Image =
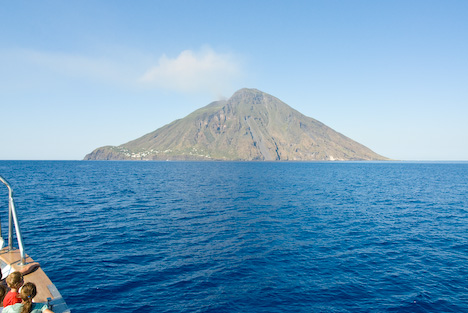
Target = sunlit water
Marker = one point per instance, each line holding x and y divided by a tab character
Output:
247	237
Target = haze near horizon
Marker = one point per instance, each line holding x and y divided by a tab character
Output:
83	74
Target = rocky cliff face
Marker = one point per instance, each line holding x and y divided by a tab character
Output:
251	125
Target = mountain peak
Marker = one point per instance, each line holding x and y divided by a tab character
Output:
247	91
251	125
247	95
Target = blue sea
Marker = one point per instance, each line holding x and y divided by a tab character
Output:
247	236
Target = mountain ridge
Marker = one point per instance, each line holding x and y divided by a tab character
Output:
249	126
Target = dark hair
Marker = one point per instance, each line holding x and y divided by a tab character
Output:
3	292
27	293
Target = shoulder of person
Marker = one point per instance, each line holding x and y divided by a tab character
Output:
12	308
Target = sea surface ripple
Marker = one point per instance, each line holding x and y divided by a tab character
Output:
247	237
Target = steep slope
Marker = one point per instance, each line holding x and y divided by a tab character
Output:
251	125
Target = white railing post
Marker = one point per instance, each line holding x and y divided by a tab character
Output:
13	219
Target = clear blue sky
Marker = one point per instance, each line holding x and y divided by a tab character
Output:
76	75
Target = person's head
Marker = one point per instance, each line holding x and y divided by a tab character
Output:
27	294
15	280
3	292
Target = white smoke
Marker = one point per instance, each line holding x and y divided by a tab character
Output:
194	72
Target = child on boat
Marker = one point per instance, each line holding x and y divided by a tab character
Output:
3	292
14	281
27	293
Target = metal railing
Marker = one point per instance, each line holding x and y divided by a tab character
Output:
13	219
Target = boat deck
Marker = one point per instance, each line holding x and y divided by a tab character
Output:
10	261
